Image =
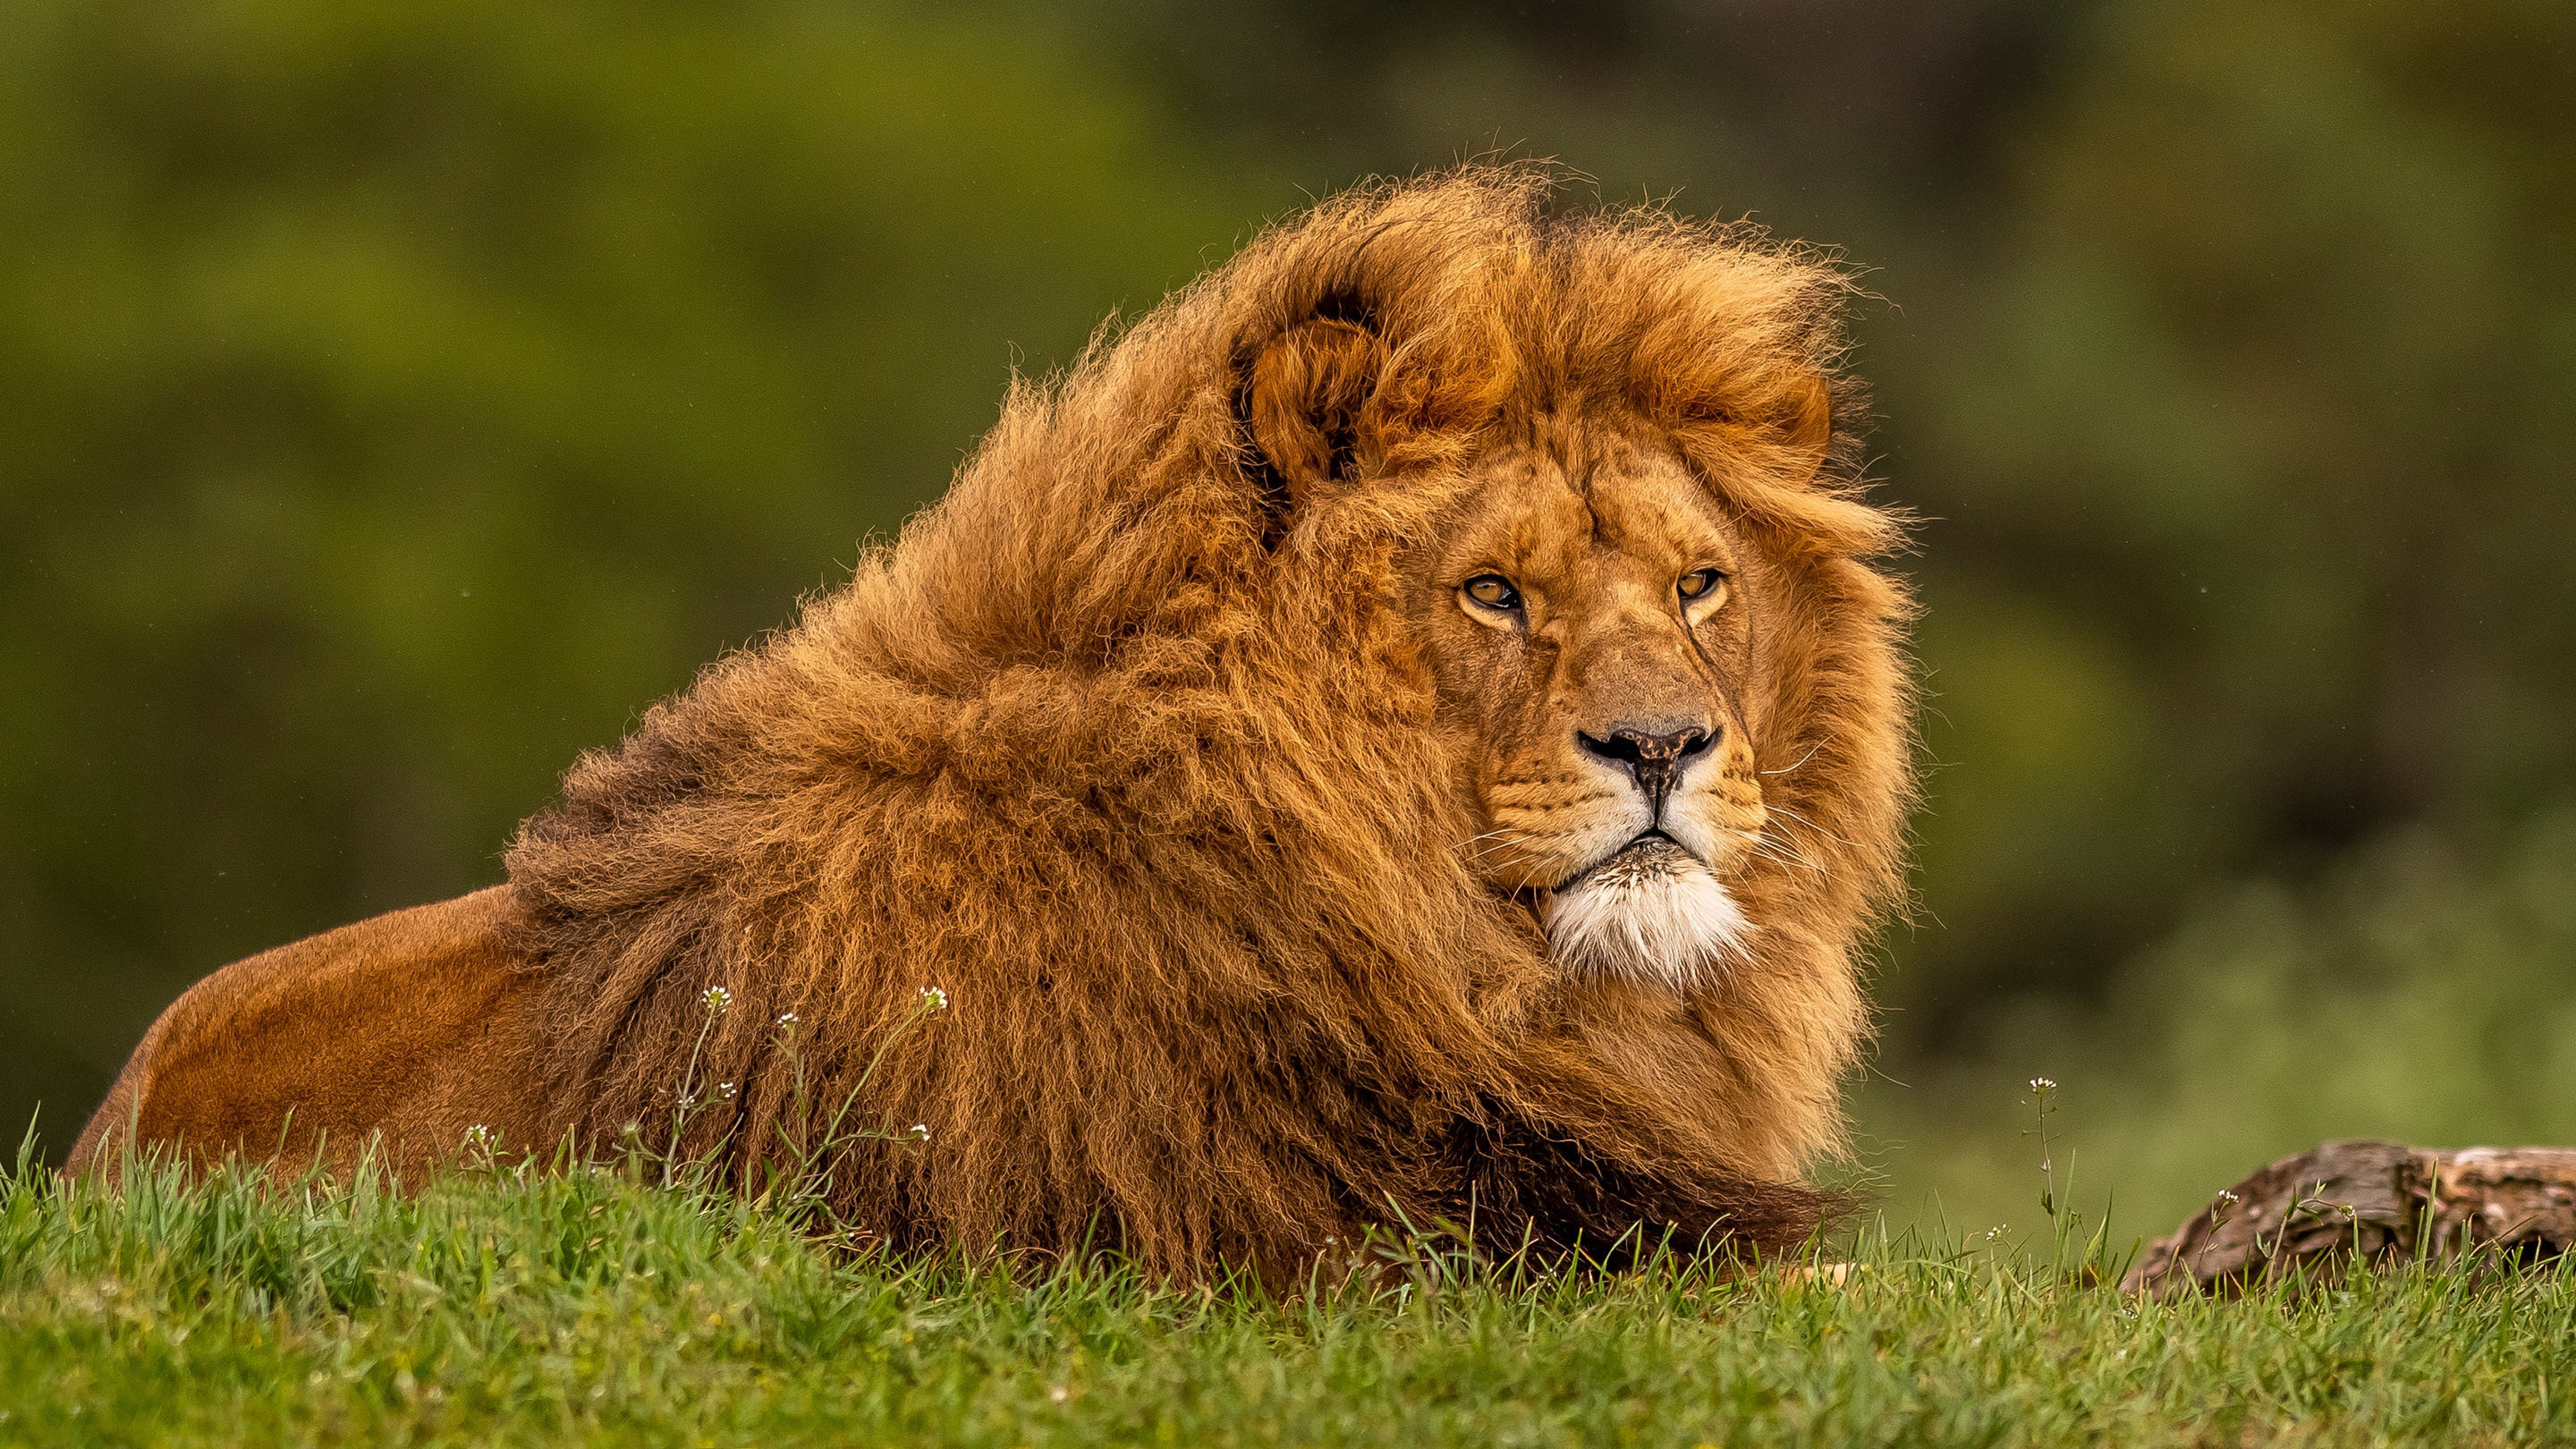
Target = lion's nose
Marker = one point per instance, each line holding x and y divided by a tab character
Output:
1654	761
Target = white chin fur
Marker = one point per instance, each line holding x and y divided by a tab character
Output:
1653	912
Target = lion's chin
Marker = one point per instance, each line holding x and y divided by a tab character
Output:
1653	912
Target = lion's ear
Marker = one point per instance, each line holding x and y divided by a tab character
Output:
1806	421
1304	398
1792	419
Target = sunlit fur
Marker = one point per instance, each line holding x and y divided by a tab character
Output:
1137	745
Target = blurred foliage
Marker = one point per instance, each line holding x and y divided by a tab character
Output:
2254	467
395	398
2258	459
2411	993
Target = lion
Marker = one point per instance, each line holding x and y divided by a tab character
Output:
1410	731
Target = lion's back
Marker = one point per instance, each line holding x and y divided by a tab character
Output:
406	1027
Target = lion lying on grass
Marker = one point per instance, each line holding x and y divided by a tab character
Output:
1404	731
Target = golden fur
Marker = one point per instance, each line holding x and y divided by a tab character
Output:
1158	747
388	1037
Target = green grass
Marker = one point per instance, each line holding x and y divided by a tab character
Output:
589	1308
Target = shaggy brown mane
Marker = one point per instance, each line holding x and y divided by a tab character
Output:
1125	747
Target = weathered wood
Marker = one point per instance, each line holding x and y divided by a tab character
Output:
2370	1202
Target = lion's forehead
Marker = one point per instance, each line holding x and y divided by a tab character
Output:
1660	513
1547	518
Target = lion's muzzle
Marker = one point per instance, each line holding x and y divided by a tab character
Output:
1654	761
1653	910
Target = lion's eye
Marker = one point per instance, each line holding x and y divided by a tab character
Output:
1698	582
1492	590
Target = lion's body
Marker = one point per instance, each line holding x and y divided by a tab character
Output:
391	1035
1151	749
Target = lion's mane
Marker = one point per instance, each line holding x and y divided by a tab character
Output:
1130	754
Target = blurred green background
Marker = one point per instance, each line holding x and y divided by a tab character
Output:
396	395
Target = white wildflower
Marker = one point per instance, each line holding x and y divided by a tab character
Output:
2042	1084
920	1131
724	1090
716	999
934	998
787	1018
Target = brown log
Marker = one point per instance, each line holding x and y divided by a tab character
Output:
2376	1203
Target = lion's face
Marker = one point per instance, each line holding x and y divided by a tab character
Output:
1589	617
1592	621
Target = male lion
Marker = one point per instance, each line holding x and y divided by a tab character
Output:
1405	731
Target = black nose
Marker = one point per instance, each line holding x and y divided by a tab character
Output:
1654	761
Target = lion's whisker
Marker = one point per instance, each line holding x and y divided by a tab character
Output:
1803	820
1802	759
1783	850
1790	860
